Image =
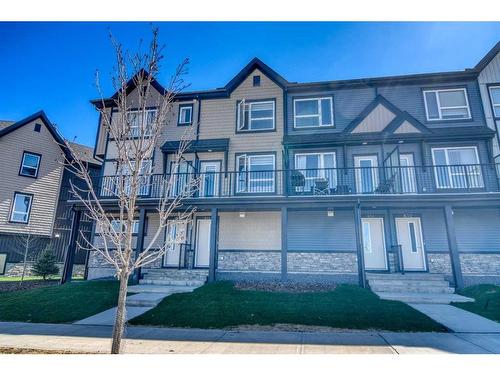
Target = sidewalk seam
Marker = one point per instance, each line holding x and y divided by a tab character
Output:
388	343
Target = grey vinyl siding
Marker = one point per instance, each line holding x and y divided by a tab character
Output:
477	229
315	231
347	105
409	98
45	188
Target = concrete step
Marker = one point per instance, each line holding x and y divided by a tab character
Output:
146	299
167	289
406	276
409	283
412	289
193	283
423	297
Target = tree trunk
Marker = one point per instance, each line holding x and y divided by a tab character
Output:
24	262
120	318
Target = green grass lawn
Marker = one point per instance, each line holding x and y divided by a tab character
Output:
487	301
33	278
219	305
59	303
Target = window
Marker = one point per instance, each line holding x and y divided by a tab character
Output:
313	112
21	208
366	170
457	168
30	164
185	114
255	173
314	167
144	181
116	226
37	128
135	121
256	81
495	100
255	116
449	104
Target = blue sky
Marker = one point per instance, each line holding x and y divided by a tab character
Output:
51	66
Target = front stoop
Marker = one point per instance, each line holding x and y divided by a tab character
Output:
414	288
174	277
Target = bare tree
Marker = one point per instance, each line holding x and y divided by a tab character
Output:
135	135
26	241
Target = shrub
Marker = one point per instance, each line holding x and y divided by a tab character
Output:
46	264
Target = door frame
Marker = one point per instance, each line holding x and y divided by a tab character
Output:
218	176
188	240
375	171
195	253
383	218
424	251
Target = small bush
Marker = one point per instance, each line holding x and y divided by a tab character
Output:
46	265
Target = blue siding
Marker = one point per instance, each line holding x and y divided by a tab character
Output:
477	229
315	231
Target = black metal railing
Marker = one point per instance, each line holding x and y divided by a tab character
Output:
306	182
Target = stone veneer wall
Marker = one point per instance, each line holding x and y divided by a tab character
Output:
249	261
439	263
322	262
480	264
16	269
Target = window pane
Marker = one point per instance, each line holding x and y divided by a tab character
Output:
329	160
326	112
306	121
439	157
31	160
496	110
260	110
451	113
185	117
452	98
432	107
306	107
495	95
462	156
262	124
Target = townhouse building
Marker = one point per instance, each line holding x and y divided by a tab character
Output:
34	191
330	181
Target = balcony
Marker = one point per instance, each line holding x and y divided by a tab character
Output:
398	180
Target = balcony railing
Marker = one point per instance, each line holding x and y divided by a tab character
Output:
307	182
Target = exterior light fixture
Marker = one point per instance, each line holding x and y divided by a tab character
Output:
364	143
401	141
243	214
57	235
330	212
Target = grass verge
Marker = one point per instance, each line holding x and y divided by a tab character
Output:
487	300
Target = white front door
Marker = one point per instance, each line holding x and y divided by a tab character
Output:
175	236
374	243
409	234
202	258
209	185
407	167
366	173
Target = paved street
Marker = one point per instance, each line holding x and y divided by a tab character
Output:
95	339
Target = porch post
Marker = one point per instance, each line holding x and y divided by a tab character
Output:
70	252
284	243
359	245
140	243
214	223
452	244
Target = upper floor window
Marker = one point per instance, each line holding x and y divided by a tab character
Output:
135	121
256	115
118	227
30	164
313	112
256	81
495	100
185	114
21	208
317	168
446	104
457	167
256	173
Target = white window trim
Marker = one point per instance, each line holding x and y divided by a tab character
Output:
494	105
182	108
445	149
29	166
319	115
440	108
374	168
13	211
250	104
135	225
134	130
321	168
248	170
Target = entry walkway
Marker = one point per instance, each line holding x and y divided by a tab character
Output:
457	320
96	339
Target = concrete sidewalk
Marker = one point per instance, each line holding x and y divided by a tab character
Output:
96	339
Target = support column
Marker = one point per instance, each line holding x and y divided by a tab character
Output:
140	243
70	252
359	245
452	244
214	224
284	243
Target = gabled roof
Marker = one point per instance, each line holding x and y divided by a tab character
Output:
255	63
379	99
487	58
84	153
406	117
5	123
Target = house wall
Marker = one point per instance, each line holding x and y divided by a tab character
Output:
45	187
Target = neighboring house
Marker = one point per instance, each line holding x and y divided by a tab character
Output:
33	191
328	181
